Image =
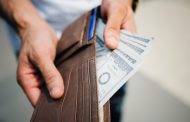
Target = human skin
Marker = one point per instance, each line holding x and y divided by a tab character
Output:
39	42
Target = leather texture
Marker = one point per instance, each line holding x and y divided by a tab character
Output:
76	61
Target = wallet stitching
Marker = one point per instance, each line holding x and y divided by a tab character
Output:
83	61
89	83
75	114
82	92
82	42
95	79
66	90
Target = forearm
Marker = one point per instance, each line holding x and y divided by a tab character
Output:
128	2
19	13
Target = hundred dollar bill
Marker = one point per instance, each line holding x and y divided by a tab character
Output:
123	45
136	48
100	29
131	47
137	45
133	37
102	53
114	72
131	40
145	40
115	67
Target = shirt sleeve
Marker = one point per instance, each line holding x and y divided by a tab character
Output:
135	4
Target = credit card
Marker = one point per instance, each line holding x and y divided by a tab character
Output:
91	29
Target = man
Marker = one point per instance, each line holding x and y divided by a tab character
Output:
39	24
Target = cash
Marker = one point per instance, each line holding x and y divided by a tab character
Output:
115	67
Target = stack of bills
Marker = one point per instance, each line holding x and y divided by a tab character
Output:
115	67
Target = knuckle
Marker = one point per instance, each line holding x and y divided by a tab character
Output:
39	56
50	78
112	29
109	28
20	78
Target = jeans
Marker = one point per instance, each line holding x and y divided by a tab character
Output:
116	104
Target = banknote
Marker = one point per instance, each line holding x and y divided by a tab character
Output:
139	39
135	41
145	40
102	53
131	47
100	29
138	43
115	67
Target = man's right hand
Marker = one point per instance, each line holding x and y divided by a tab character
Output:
36	59
37	52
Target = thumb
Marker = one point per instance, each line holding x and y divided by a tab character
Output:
112	28
52	78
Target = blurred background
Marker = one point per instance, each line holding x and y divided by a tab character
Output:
159	91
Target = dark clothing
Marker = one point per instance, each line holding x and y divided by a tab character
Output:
116	104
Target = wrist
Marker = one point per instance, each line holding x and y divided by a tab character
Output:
23	21
20	16
37	29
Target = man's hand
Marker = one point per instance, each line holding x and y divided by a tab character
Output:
119	14
36	57
37	52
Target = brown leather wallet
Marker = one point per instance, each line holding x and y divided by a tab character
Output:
76	61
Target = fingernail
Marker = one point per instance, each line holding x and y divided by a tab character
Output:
55	92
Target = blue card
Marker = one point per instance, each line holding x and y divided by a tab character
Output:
91	29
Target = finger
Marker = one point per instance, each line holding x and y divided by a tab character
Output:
28	81
130	26
52	77
129	23
33	92
112	29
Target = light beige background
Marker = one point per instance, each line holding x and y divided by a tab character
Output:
160	91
